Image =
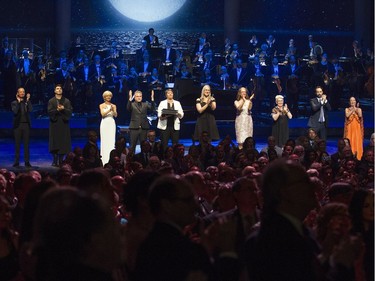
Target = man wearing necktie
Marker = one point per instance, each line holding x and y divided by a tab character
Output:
319	118
21	125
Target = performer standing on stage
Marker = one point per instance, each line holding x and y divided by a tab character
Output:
280	115
138	121
353	129
244	121
319	118
168	124
21	125
59	112
107	126
205	106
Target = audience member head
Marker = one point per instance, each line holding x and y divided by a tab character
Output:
287	188
136	192
171	198
96	181
340	192
333	220
245	193
73	231
361	209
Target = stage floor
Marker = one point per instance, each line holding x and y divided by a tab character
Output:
41	159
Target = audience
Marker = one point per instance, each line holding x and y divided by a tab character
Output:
230	215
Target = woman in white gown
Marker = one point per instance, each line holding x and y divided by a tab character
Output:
244	121
107	126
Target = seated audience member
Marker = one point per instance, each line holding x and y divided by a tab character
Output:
361	210
166	254
282	249
76	237
333	231
141	219
9	262
340	192
271	143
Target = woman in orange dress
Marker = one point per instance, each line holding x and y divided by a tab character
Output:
353	129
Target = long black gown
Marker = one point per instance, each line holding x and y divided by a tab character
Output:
206	122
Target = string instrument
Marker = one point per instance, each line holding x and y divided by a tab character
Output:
369	85
292	84
326	78
42	74
276	80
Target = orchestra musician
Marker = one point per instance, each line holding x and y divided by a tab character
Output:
291	51
26	71
271	46
239	76
168	59
156	82
324	72
8	73
293	72
257	81
337	83
224	77
200	49
276	74
85	74
254	47
97	71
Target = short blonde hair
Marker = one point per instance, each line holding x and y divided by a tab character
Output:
107	93
279	97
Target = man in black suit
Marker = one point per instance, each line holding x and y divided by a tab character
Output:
151	39
21	125
319	118
138	121
143	156
239	76
283	248
167	254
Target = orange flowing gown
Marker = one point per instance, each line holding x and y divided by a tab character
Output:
353	130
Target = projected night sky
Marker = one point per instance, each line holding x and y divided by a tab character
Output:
333	15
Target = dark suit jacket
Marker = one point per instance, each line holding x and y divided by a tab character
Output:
167	255
172	55
16	109
138	117
243	80
155	43
315	107
278	252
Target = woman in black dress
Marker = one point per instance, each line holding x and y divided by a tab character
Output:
280	115
205	105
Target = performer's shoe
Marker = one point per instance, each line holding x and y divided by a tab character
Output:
16	164
28	165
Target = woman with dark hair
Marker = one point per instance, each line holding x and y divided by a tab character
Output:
361	209
244	121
